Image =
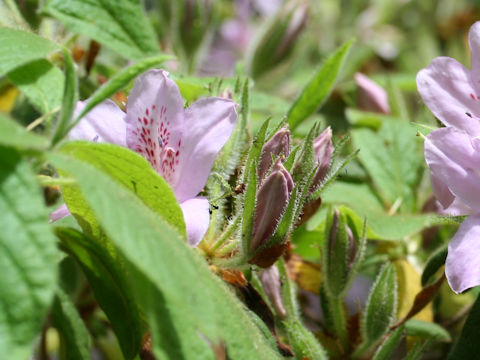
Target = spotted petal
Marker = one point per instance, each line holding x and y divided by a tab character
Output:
209	124
453	158
463	260
104	123
197	217
155	119
449	91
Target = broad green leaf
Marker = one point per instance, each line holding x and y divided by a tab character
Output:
132	171
427	330
385	351
118	81
41	82
468	343
18	48
392	158
381	305
107	277
434	262
193	296
13	134
304	343
118	24
319	87
70	95
73	333
28	256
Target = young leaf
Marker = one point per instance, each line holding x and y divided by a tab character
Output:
28	258
118	24
319	87
41	82
434	262
304	343
155	251
385	351
468	344
73	333
14	135
381	305
108	280
427	330
18	48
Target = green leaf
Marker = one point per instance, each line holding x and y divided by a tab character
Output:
70	95
118	24
304	343
133	172
42	84
434	262
118	81
107	277
18	48
318	88
28	257
427	330
468	344
381	305
172	269
73	333
385	351
13	134
392	158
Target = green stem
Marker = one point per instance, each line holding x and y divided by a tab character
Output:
226	234
337	311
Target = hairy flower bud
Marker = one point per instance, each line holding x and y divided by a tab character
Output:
270	279
341	254
278	39
371	96
278	145
272	199
323	147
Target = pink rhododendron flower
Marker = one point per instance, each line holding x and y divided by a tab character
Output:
452	93
180	144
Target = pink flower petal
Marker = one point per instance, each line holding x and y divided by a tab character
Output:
60	213
371	96
463	261
155	121
197	218
474	43
104	123
453	158
441	191
208	125
448	90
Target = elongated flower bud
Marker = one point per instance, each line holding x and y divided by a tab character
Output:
371	96
270	279
272	198
278	40
340	254
278	145
323	147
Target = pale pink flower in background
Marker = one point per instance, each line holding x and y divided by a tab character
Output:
180	144
371	96
452	93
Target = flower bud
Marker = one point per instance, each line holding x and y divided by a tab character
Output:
278	39
371	96
278	145
339	254
270	279
323	147
272	200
